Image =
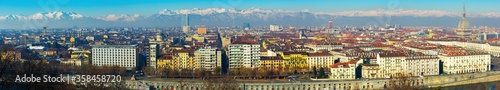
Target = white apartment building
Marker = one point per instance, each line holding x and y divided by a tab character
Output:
274	27
114	55
343	70
152	51
392	63
320	60
492	48
371	71
423	65
186	29
464	62
208	58
244	54
414	65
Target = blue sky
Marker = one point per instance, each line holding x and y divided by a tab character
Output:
149	7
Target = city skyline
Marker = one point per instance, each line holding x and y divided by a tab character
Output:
249	45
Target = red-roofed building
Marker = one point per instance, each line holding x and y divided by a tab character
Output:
323	45
166	61
457	60
343	70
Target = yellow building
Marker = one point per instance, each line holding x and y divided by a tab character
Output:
295	61
72	39
72	62
165	61
196	37
184	59
272	62
225	41
77	53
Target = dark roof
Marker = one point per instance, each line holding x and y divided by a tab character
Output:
271	58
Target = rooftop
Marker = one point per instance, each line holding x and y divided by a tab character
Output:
319	54
271	58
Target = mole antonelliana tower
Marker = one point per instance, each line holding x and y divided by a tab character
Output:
464	30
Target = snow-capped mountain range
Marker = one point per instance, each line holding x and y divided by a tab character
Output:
255	16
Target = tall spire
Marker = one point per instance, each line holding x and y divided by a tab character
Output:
187	20
463	15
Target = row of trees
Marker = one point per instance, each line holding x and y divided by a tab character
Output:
172	72
250	73
320	74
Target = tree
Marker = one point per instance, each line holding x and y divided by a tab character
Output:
262	72
245	72
164	71
322	72
148	70
314	71
200	72
402	81
217	71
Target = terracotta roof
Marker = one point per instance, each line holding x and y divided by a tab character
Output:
343	64
364	37
394	54
337	50
271	58
166	57
244	42
319	54
288	53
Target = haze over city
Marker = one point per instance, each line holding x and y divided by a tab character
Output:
166	13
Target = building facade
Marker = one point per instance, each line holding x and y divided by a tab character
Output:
184	59
321	59
423	65
296	61
165	62
244	54
371	71
343	70
151	55
208	58
114	55
454	64
274	27
202	30
272	62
